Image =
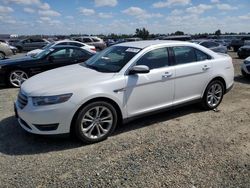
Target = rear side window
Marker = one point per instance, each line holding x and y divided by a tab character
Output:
201	56
86	40
95	40
155	59
76	44
186	54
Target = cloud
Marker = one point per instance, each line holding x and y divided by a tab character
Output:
45	18
7	20
169	3
105	15
44	6
140	13
201	8
5	10
101	3
226	7
48	13
24	2
215	1
245	17
29	10
86	11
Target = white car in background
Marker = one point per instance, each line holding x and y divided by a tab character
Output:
122	82
63	42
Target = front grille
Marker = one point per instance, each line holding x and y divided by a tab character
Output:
22	100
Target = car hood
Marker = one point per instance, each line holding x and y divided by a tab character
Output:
16	61
63	80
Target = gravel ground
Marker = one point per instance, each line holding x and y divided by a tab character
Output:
186	147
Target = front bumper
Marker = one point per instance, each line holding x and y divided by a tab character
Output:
45	120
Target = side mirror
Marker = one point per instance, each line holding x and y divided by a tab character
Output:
139	69
51	59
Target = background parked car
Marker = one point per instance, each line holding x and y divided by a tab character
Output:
13	48
216	47
224	42
5	50
16	71
95	41
63	43
31	44
244	51
239	41
245	67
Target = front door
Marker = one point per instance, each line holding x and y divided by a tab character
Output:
153	90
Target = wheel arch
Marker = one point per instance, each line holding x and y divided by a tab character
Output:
106	99
220	78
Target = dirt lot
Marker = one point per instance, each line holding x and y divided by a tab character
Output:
186	147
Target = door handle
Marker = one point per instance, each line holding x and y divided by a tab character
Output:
167	75
205	68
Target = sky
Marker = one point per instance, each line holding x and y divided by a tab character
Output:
123	16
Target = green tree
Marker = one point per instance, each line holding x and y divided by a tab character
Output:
179	33
218	32
142	33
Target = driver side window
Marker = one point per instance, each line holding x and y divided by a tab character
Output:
63	53
154	59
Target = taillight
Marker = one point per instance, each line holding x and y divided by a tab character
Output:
93	49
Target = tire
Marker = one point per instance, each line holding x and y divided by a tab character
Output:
17	77
95	122
213	95
2	56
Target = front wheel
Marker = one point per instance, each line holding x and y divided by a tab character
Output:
213	95
17	77
95	122
2	56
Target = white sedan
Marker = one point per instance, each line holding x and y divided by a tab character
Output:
122	82
63	42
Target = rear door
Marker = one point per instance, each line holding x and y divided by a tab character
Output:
193	70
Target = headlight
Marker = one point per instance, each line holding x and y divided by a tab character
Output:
48	100
246	62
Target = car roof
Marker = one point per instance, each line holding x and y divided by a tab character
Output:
146	43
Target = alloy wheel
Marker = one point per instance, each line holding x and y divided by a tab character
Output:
17	77
97	122
214	95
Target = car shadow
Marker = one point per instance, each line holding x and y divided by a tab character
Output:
242	79
15	141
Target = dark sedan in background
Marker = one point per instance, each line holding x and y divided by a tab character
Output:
16	71
216	47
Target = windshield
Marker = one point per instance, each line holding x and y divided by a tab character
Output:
48	46
43	53
112	59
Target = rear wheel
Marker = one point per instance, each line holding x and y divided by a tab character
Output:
213	95
95	122
17	77
2	56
